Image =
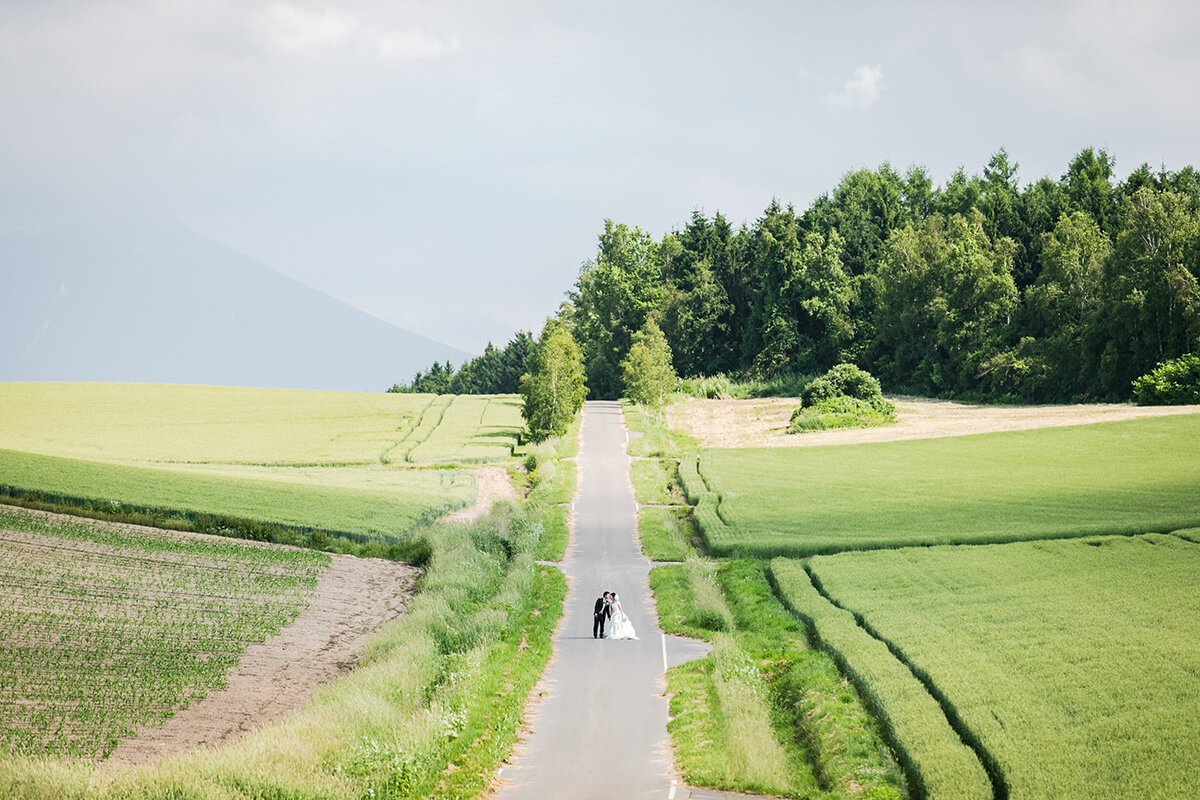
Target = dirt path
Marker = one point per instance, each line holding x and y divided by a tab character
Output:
493	485
763	423
355	596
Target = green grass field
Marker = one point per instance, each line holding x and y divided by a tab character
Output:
375	503
134	423
371	466
111	628
1120	477
1071	664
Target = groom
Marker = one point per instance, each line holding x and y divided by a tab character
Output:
600	614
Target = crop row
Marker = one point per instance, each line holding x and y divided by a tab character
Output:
92	647
461	429
1068	667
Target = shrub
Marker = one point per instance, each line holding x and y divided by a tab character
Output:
846	380
844	397
839	412
1174	382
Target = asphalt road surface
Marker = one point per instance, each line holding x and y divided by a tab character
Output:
600	731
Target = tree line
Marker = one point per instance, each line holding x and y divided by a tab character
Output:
497	371
1062	289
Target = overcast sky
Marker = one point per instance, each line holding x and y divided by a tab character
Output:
446	166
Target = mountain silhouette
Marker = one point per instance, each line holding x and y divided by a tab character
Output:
163	304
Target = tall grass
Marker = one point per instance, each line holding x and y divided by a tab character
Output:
708	609
666	533
743	702
655	481
722	386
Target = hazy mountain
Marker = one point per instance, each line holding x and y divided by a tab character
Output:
163	304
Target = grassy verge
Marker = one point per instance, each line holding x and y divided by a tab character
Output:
549	477
656	481
665	533
655	440
429	712
764	712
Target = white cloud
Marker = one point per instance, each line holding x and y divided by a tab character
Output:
412	45
295	29
862	90
330	32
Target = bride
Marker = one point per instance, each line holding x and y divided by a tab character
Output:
621	628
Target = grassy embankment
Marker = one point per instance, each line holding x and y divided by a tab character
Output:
765	712
436	702
666	533
547	476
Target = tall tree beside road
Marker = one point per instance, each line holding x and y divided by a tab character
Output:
647	369
612	298
554	390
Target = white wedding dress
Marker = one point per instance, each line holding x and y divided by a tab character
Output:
621	627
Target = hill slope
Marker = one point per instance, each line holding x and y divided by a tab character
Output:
166	305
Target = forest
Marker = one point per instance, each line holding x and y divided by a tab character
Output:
1063	289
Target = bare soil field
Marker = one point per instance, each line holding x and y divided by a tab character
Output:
763	422
354	597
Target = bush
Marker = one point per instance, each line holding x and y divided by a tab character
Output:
846	380
839	412
1175	382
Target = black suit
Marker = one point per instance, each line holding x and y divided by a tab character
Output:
599	615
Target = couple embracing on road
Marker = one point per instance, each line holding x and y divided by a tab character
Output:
609	607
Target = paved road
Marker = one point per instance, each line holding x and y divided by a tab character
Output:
601	730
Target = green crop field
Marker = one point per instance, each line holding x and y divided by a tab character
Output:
469	429
1070	665
346	463
1120	477
104	628
227	425
377	503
